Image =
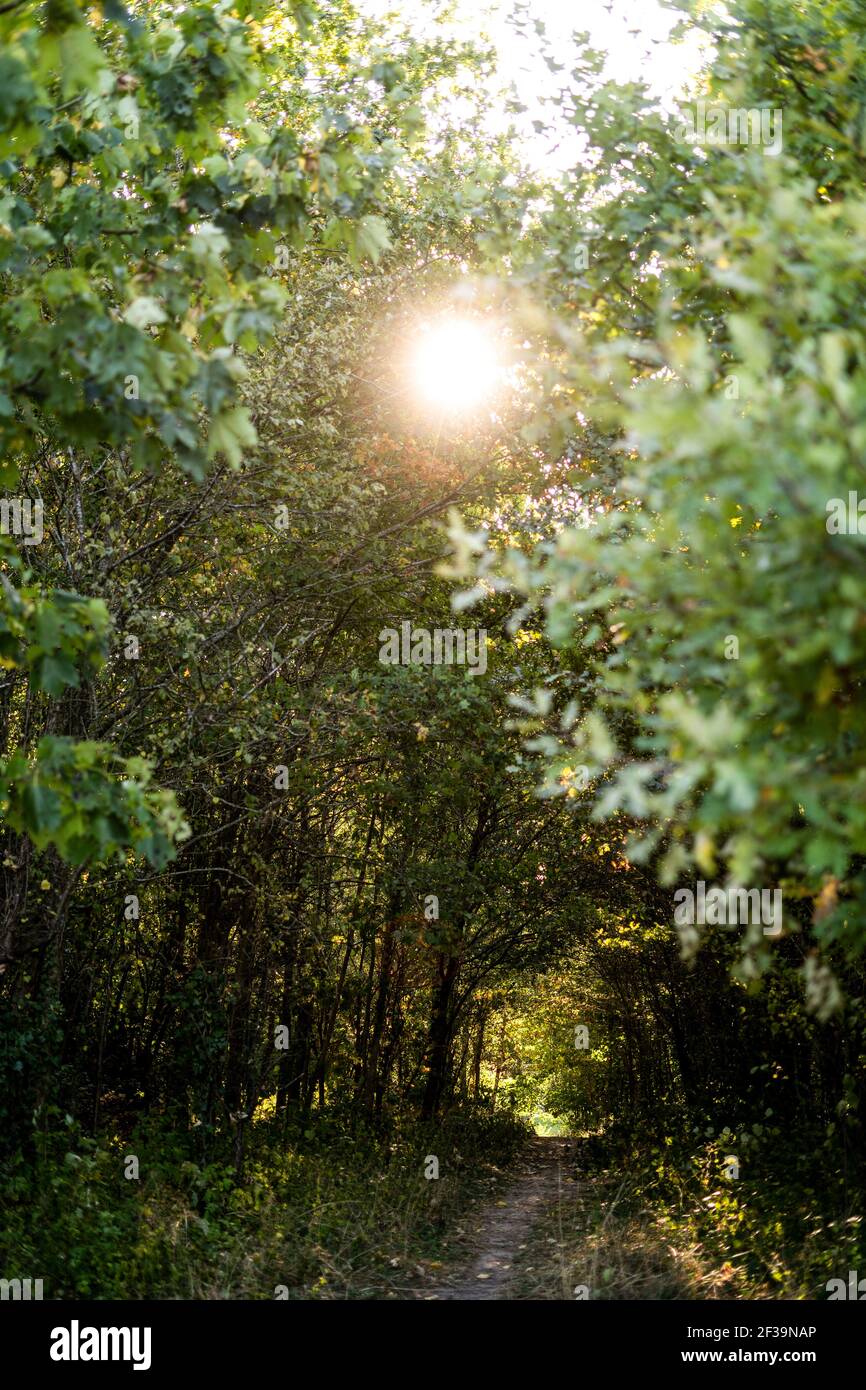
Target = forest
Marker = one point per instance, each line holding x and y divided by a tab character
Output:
432	742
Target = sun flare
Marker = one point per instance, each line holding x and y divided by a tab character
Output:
456	364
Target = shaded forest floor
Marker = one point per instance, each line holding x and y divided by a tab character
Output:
551	1233
568	1223
503	1230
336	1211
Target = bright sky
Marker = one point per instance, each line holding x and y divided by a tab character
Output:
633	33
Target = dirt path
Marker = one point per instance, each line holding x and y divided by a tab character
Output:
506	1225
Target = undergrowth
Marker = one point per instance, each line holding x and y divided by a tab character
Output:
676	1219
326	1212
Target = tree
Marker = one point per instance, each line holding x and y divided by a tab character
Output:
714	352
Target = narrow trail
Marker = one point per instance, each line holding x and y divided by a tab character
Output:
506	1224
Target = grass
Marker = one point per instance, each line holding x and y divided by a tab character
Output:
659	1222
326	1214
338	1211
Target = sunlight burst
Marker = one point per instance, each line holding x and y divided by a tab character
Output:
456	365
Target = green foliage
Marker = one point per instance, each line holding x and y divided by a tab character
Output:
397	892
666	1220
143	199
328	1215
89	803
52	635
715	620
